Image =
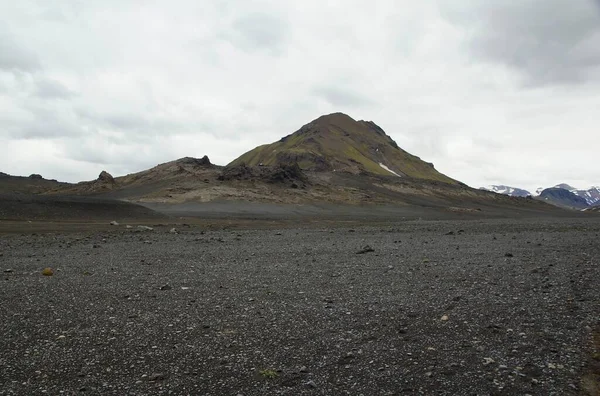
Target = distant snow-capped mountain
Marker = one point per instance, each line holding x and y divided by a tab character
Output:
591	195
507	190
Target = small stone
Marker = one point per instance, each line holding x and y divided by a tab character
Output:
428	374
47	272
145	228
508	255
8	270
311	384
487	361
303	369
165	287
174	231
444	318
128	226
114	223
157	377
366	249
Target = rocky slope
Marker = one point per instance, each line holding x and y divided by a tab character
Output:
336	142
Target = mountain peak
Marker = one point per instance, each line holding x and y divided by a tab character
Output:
338	143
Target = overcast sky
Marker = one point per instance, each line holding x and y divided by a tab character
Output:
490	91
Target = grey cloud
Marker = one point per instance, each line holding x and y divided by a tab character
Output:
48	129
139	127
259	32
14	57
547	41
342	96
42	122
52	89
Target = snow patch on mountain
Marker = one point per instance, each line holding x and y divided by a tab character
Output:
388	169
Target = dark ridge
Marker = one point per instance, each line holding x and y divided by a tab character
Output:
204	161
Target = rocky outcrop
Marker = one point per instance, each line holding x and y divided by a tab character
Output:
106	177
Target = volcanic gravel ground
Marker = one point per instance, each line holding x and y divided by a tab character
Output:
501	307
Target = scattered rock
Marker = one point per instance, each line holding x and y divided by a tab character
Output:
114	223
487	361
174	231
8	270
508	255
157	377
47	271
166	287
444	318
311	384
145	228
366	249
128	226
450	233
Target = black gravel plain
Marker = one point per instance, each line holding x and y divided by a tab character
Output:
481	307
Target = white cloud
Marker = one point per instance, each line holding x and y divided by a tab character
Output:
491	93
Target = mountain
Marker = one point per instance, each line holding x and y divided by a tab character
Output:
331	160
591	195
338	143
32	184
563	198
506	190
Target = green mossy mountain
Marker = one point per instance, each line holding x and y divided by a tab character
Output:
336	142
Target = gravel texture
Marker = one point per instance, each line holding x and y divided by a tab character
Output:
492	307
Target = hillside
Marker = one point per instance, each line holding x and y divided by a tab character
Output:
173	177
338	143
33	184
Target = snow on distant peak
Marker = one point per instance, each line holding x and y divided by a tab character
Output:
507	190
